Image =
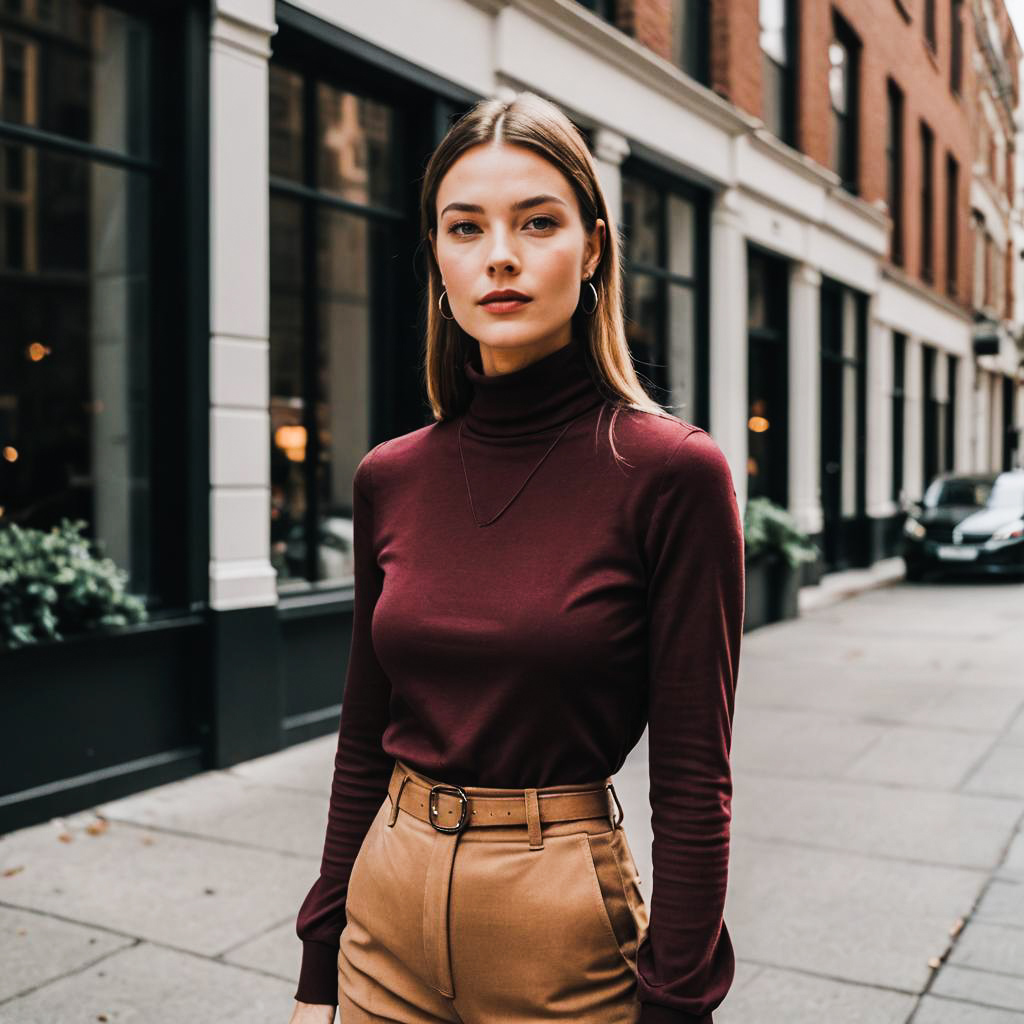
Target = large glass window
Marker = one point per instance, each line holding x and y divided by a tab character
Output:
767	377
929	24
777	60
80	173
952	220
927	218
690	37
664	235
956	55
894	167
843	76
336	212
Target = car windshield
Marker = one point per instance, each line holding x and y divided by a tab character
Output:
1008	492
957	492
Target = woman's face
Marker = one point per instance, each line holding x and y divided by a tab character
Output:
484	244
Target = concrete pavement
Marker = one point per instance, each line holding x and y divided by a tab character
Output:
877	870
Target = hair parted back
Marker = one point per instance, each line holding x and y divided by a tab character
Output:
531	121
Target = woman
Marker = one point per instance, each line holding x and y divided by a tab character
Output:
548	568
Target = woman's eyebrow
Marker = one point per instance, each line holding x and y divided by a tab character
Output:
523	204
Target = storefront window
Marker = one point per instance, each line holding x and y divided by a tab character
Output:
76	202
331	240
663	234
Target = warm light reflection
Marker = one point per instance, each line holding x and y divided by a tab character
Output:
38	351
291	439
758	424
11	453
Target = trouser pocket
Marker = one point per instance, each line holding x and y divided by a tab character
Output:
617	881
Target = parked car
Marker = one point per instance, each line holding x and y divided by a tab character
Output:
965	524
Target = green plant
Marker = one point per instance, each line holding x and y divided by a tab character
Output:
51	583
768	528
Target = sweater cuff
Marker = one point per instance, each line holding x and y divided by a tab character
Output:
655	1013
318	975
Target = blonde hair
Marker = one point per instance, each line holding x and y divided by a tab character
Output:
535	123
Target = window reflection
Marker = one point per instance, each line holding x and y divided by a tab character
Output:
330	271
75	279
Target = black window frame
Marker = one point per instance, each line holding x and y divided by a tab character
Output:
895	170
786	130
846	124
930	29
926	224
178	324
427	106
650	168
956	47
952	225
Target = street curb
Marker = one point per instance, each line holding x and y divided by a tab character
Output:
838	586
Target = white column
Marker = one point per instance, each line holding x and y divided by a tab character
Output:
879	381
610	149
805	397
728	336
241	575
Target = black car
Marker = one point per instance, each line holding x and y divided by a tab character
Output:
967	523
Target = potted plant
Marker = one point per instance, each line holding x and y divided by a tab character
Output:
775	547
52	583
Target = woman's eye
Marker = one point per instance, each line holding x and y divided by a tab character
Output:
454	228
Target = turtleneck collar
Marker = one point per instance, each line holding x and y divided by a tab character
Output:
542	395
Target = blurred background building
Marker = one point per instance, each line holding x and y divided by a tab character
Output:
211	298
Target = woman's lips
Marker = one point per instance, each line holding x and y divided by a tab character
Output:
505	305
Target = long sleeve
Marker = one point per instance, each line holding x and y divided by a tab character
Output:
361	768
694	554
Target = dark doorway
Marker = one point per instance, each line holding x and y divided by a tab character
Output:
843	415
767	377
1011	437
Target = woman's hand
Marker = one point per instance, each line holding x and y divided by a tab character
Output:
312	1013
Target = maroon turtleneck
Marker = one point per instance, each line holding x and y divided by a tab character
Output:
529	642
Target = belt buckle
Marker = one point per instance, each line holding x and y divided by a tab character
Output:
463	815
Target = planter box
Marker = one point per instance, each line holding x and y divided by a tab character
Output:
100	715
772	590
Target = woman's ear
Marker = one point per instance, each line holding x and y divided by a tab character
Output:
595	247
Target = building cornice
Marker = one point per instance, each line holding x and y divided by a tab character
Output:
616	49
936	298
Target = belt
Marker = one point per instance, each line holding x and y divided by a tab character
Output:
450	809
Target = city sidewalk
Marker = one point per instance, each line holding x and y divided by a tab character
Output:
877	870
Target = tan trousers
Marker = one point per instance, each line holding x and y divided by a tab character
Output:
494	924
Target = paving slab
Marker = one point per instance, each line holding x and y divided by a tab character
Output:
37	948
884	821
936	1010
991	947
230	807
1005	991
928	758
155	985
182	891
775	995
846	916
1000	772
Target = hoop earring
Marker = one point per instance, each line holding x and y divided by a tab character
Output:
440	299
589	312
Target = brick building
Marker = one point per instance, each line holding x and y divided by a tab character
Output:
213	308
